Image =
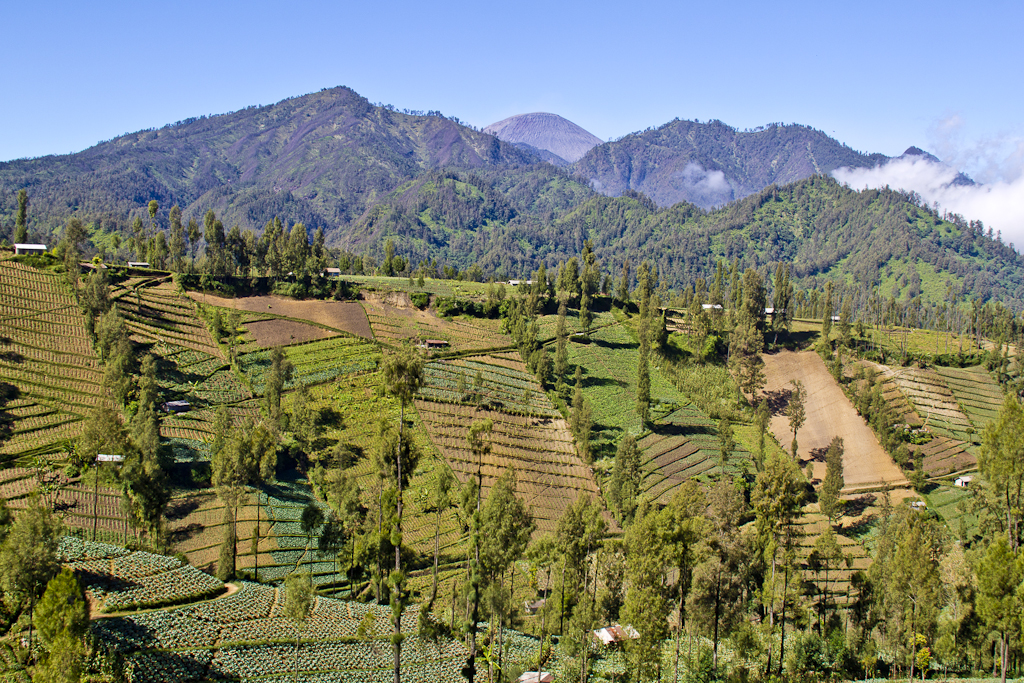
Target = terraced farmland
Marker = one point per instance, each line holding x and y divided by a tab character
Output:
936	408
684	445
977	392
495	381
46	353
810	527
120	579
933	402
315	362
245	636
609	364
393	319
540	450
157	313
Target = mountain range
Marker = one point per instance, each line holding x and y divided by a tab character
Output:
440	190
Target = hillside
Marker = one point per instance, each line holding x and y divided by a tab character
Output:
549	132
711	164
320	158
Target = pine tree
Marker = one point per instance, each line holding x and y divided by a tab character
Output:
21	218
828	498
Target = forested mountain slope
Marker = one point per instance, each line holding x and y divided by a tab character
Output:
321	159
710	164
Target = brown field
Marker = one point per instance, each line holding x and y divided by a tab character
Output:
395	319
346	316
550	474
829	414
279	332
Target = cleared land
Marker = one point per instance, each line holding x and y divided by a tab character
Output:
346	316
829	414
280	332
395	319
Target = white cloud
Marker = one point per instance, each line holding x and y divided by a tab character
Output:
999	204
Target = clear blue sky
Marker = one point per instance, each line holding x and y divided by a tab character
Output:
879	76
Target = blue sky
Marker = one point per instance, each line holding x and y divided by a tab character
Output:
879	76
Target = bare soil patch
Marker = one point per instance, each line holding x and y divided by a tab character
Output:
829	414
280	332
347	316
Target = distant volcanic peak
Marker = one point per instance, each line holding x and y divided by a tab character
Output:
918	152
550	132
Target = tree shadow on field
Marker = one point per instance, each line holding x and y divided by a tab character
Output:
182	534
778	400
603	382
674	429
856	506
180	509
818	454
605	344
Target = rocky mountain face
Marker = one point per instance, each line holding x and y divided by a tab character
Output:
549	132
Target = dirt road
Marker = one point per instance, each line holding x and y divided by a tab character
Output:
829	414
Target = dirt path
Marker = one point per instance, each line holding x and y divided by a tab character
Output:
829	414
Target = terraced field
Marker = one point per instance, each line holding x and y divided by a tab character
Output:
933	402
935	407
315	362
977	392
120	579
247	637
46	353
493	381
245	634
609	364
157	313
811	525
684	445
540	450
393	320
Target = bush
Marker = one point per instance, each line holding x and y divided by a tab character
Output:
420	299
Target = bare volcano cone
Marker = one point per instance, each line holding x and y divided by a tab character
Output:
546	131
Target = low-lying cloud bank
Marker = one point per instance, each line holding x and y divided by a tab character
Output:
999	204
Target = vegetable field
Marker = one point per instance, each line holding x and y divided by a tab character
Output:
45	352
684	445
610	363
977	392
540	450
315	362
120	579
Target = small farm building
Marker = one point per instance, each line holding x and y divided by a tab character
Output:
20	248
138	264
435	344
332	272
537	677
615	633
963	482
532	607
176	407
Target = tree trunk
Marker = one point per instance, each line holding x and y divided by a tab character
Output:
397	597
782	621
